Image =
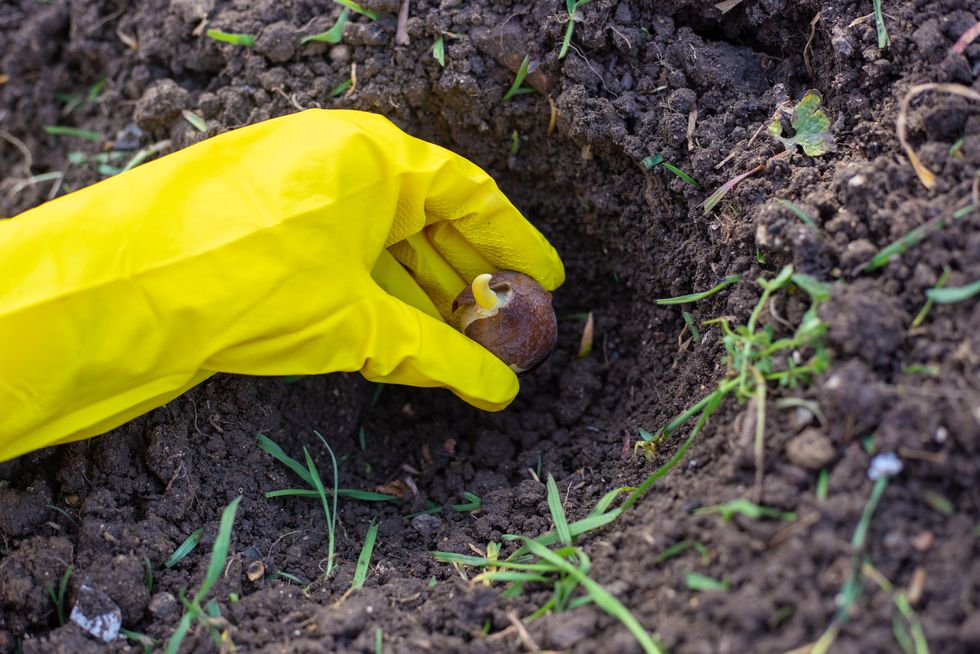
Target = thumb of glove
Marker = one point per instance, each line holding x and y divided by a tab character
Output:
412	347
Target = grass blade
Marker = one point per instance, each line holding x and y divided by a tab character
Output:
219	553
697	581
558	512
353	6
196	121
953	294
883	38
246	40
185	548
332	35
268	445
364	559
744	507
712	200
603	599
679	548
61	130
322	494
927	307
515	87
658	160
603	504
351	493
439	51
177	637
694	297
799	213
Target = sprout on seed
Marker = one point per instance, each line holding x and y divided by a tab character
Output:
511	315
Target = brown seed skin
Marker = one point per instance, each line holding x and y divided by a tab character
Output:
524	330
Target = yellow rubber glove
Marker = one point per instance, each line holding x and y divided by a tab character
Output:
268	250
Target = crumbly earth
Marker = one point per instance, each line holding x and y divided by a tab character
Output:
114	508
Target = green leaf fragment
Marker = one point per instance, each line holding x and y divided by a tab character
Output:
953	294
810	124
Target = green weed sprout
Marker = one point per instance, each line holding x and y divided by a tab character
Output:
658	160
915	236
328	498
572	6
927	307
62	130
810	124
195	120
364	559
185	548
700	582
149	645
799	213
566	568
882	468
515	87
439	51
744	507
210	614
694	297
267	445
953	294
811	128
679	548
753	363
332	35
245	40
883	38
355	7
74	100
58	596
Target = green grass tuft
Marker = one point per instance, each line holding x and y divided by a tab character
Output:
58	596
515	87
219	556
572	6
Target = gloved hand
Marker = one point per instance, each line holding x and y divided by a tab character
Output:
268	250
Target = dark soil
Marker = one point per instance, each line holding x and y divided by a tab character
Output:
628	235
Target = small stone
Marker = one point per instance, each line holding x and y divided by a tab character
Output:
923	541
340	53
163	606
810	449
96	613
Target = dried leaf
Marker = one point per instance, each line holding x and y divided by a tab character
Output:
398	488
811	126
926	176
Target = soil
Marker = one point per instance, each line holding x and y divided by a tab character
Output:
118	505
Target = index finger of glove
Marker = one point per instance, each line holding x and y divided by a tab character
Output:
439	186
416	349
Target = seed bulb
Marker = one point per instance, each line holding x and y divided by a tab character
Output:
511	315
